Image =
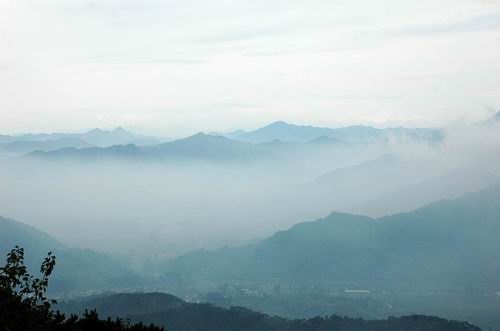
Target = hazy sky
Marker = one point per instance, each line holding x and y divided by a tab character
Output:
176	66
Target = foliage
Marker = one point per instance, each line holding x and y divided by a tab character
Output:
24	305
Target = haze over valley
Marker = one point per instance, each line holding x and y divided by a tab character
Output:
97	196
249	165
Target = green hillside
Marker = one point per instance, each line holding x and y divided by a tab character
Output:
447	245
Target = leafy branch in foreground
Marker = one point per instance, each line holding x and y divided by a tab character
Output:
24	305
15	279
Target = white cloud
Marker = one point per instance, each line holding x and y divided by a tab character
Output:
72	64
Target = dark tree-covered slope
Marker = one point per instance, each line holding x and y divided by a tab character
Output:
447	244
177	315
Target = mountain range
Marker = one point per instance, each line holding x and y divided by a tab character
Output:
352	134
19	147
95	137
275	132
12	145
26	143
178	315
450	244
197	147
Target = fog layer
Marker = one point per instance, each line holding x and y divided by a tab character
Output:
159	208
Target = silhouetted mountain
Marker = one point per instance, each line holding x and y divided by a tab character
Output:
19	147
76	268
177	315
31	239
94	137
205	147
91	153
451	244
283	131
197	147
353	134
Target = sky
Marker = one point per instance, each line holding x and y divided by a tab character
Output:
174	67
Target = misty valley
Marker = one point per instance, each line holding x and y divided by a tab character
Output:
263	165
371	229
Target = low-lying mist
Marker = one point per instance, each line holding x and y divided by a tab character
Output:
158	209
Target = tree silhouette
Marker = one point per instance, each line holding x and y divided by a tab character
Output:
24	305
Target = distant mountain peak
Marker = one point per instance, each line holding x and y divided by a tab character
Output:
96	130
350	134
201	136
279	123
120	130
198	137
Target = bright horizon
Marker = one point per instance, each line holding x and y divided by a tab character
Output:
188	133
178	67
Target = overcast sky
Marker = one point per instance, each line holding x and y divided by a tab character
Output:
179	66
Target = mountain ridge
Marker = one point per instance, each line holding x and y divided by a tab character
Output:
280	130
175	314
77	268
199	146
354	249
